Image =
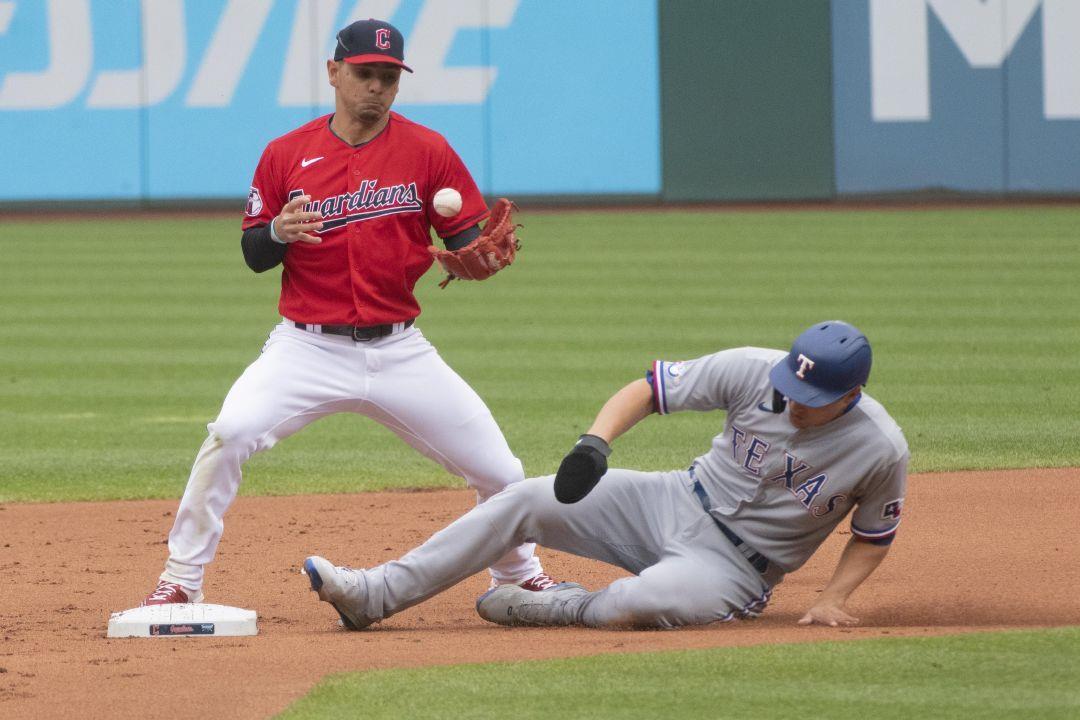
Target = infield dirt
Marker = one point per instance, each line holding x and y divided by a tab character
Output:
976	551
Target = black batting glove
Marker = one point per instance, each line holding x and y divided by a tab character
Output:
581	469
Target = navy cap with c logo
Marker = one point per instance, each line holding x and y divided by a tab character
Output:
371	41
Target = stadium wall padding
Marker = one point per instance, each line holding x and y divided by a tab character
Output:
121	99
672	100
957	95
746	97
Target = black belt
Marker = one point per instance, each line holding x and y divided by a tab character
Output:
759	561
359	334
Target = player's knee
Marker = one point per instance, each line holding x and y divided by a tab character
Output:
541	513
519	507
531	491
234	434
495	475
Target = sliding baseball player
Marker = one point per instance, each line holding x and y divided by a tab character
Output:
803	446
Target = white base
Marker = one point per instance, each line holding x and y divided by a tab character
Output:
183	620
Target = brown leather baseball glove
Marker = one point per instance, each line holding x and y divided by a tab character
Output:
487	254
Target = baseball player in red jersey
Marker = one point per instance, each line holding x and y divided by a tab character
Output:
344	203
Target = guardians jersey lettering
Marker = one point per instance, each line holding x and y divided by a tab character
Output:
375	202
366	203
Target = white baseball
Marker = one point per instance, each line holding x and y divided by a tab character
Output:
448	202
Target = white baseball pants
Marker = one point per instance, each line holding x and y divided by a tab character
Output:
398	380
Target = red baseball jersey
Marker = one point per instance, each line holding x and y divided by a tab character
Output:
376	203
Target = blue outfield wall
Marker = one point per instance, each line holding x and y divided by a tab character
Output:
174	99
537	96
957	94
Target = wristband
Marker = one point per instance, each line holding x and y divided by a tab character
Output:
274	236
596	443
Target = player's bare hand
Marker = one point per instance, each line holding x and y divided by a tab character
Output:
294	223
828	613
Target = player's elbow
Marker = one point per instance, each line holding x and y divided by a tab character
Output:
257	264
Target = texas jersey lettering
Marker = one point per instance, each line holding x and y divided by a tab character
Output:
763	473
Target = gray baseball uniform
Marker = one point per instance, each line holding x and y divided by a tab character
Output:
705	544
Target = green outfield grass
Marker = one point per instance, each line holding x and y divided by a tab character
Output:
120	338
971	677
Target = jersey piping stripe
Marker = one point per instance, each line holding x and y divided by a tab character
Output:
658	388
751	609
336	223
877	534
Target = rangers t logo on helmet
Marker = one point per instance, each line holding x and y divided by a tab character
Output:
805	364
841	361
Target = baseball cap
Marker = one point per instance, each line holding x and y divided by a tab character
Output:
826	360
371	41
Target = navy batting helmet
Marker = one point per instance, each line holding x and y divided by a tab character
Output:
825	362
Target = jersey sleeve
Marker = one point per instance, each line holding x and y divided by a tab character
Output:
877	513
450	172
265	198
713	382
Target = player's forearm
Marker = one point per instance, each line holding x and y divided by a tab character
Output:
260	251
857	563
623	410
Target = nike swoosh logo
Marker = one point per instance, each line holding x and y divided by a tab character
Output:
309	161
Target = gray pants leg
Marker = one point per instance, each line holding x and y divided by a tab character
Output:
650	524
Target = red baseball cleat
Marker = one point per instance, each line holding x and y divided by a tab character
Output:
538	582
167	592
